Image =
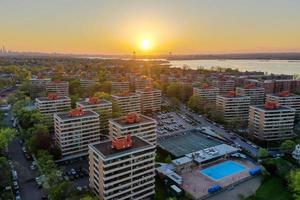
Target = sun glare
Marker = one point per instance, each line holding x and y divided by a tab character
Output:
146	44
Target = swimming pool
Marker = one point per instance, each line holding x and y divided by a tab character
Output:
223	170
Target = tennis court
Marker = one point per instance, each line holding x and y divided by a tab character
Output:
187	142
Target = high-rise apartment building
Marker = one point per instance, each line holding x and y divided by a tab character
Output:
75	130
271	122
207	92
134	124
59	87
286	99
256	94
225	85
150	99
128	102
120	86
233	107
122	169
53	104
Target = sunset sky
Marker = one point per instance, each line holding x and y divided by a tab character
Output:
150	27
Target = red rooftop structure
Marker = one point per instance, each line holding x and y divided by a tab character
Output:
271	105
52	96
122	143
249	86
56	81
131	118
93	100
231	94
205	86
76	112
284	94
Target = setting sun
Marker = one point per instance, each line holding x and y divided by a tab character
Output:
146	44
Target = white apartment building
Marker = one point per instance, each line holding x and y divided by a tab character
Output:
224	85
142	82
150	99
233	107
53	104
286	99
85	83
122	169
256	94
134	124
128	102
206	92
38	86
75	130
271	122
120	86
59	87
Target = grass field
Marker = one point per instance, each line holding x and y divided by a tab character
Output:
273	188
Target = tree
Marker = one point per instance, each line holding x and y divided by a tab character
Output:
106	87
88	197
6	136
175	102
287	146
168	159
196	103
295	183
5	176
61	190
103	95
116	110
262	153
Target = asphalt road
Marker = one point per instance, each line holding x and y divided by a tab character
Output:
26	176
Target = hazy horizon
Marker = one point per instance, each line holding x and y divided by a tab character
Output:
150	27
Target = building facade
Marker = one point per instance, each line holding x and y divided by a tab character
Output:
224	85
59	87
75	130
150	100
286	99
120	85
271	122
53	104
233	107
128	102
123	169
134	124
207	92
256	94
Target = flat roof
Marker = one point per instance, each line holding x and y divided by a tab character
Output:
106	150
100	102
123	123
262	107
278	95
47	99
87	113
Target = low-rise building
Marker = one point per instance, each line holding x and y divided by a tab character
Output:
134	124
150	99
128	102
207	92
271	122
286	99
59	87
123	168
75	130
256	94
233	107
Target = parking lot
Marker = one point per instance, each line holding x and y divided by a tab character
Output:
76	171
169	124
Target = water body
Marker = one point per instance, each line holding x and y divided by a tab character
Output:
289	67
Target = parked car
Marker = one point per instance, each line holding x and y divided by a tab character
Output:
16	185
38	182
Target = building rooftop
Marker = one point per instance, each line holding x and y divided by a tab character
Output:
98	102
284	94
132	119
76	115
124	94
271	107
53	99
106	149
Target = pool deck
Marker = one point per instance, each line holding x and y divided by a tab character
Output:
197	183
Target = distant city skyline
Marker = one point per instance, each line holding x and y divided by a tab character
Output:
150	27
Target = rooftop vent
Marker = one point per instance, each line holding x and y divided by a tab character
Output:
250	86
284	94
122	143
52	96
231	94
93	100
271	105
76	112
131	118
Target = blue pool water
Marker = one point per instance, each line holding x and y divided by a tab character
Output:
223	170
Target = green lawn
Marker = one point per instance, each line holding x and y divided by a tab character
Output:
272	188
